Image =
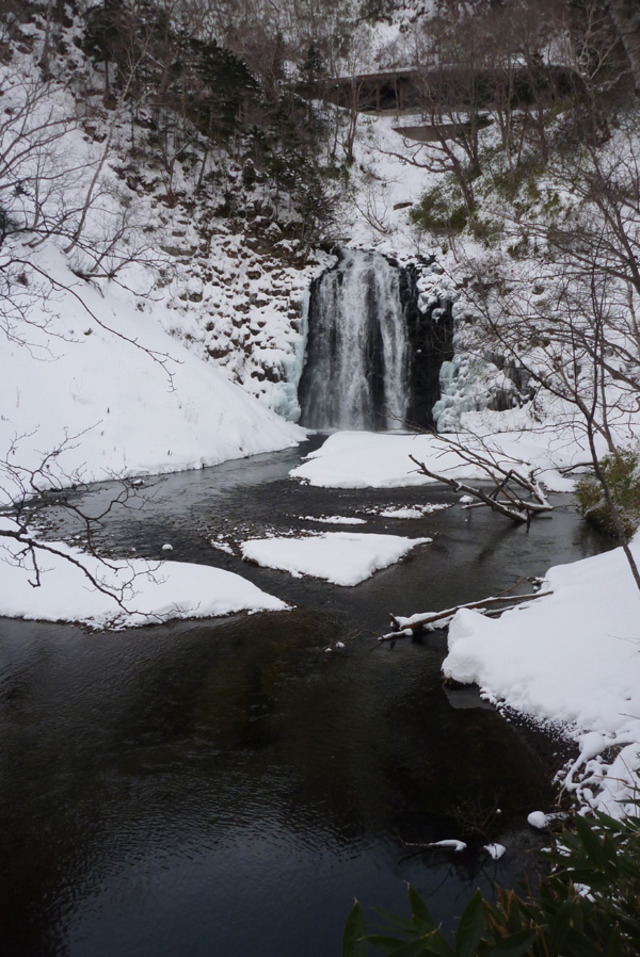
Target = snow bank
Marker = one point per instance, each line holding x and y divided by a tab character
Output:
343	558
571	660
334	519
408	512
381	460
363	460
107	392
150	592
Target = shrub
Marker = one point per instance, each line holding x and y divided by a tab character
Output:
440	213
621	471
586	906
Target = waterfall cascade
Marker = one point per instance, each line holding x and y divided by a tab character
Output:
356	371
372	358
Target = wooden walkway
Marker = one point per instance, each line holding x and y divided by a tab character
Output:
404	92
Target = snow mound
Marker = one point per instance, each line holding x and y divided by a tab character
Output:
343	558
452	844
150	592
363	460
410	512
572	660
334	519
381	460
495	851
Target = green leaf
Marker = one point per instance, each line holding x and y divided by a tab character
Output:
354	937
615	943
388	946
438	947
431	945
560	921
404	923
595	849
470	928
606	822
516	945
421	913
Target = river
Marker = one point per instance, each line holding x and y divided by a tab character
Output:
227	787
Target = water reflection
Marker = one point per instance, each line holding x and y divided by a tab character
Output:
227	787
202	787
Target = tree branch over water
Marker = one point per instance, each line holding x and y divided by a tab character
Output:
440	619
31	491
509	481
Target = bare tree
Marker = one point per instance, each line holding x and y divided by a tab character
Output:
449	58
624	14
33	492
568	318
517	65
53	191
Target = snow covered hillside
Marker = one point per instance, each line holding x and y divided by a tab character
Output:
144	274
126	319
220	247
103	391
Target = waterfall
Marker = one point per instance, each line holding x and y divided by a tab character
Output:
357	370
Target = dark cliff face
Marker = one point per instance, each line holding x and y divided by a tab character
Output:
431	343
372	358
375	361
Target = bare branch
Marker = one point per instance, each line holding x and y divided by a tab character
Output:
508	483
440	619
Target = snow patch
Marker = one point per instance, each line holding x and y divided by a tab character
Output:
495	851
333	519
150	592
571	659
451	844
343	558
101	406
382	459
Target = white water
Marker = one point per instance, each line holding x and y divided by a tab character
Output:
356	375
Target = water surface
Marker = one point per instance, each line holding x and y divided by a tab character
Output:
227	787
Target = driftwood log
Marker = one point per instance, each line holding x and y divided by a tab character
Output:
440	619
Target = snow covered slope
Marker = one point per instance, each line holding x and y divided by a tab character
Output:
569	660
98	389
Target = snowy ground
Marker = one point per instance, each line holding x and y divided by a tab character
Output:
344	558
93	388
375	460
571	661
148	593
99	390
96	389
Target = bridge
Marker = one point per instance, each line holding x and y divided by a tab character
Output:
450	88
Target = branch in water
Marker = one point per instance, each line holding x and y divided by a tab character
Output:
440	619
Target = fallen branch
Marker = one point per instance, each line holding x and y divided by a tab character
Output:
504	497
486	606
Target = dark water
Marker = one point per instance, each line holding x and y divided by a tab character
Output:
227	787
